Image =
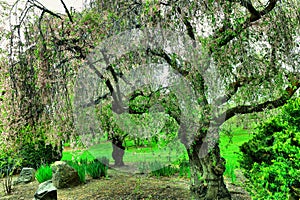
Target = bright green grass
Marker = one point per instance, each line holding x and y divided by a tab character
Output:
230	146
67	156
229	150
43	173
132	155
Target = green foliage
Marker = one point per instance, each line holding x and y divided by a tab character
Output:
9	162
98	168
229	172
43	173
7	181
164	171
232	136
271	158
80	167
38	153
8	166
184	169
183	165
143	167
31	149
81	170
67	144
153	125
80	155
157	169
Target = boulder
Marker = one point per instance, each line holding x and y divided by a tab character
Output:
27	175
46	191
63	175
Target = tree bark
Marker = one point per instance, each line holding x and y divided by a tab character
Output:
207	169
118	151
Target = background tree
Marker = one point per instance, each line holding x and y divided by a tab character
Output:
152	128
115	134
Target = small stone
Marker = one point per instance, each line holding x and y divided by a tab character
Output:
46	191
27	175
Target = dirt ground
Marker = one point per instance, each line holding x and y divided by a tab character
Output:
121	184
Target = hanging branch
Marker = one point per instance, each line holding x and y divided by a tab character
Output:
227	33
43	8
67	11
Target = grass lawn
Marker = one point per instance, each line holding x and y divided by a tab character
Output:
229	150
166	154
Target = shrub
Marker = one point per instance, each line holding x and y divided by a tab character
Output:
271	157
38	153
7	181
9	162
97	169
183	165
33	149
158	169
164	171
8	166
43	173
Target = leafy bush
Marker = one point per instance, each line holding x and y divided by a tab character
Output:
183	166
35	154
34	150
9	162
271	157
43	173
9	165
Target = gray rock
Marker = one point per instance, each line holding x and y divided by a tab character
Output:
27	175
46	191
63	175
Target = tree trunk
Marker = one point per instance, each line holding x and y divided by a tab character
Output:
118	151
207	170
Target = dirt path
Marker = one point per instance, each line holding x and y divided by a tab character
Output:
121	185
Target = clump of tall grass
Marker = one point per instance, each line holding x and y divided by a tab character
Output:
43	173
